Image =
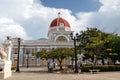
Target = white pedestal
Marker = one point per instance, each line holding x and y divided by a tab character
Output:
6	69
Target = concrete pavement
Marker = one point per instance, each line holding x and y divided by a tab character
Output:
40	73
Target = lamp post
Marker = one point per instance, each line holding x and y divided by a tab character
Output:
17	69
27	59
83	39
74	38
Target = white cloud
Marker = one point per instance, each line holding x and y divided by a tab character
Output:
106	18
110	5
9	28
14	8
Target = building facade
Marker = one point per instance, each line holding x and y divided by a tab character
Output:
58	36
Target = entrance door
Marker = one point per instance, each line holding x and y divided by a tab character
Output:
15	62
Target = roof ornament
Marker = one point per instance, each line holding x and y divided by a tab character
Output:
59	14
58	20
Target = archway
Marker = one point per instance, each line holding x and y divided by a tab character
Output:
61	39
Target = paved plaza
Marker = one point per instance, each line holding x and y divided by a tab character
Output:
40	73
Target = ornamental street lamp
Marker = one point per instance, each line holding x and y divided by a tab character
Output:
83	39
74	38
28	58
17	69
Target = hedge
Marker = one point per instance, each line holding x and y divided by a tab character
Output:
102	68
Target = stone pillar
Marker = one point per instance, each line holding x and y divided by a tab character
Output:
6	69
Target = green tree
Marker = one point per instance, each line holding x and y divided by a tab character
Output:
43	54
95	45
114	46
60	54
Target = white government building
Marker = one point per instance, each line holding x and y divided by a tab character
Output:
58	36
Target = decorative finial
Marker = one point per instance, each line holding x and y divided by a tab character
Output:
59	14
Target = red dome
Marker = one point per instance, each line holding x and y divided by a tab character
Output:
57	22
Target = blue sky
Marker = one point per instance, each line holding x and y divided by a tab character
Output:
30	19
74	5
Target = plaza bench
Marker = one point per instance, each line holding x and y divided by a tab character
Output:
94	71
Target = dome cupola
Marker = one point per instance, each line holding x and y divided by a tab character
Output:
60	24
59	21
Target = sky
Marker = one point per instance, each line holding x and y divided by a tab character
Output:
30	19
75	6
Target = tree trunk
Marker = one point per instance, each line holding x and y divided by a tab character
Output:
114	62
60	61
72	63
103	61
61	65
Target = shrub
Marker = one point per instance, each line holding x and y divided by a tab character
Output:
102	68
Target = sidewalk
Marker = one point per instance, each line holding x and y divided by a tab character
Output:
40	73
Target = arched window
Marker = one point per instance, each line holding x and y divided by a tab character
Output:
61	39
